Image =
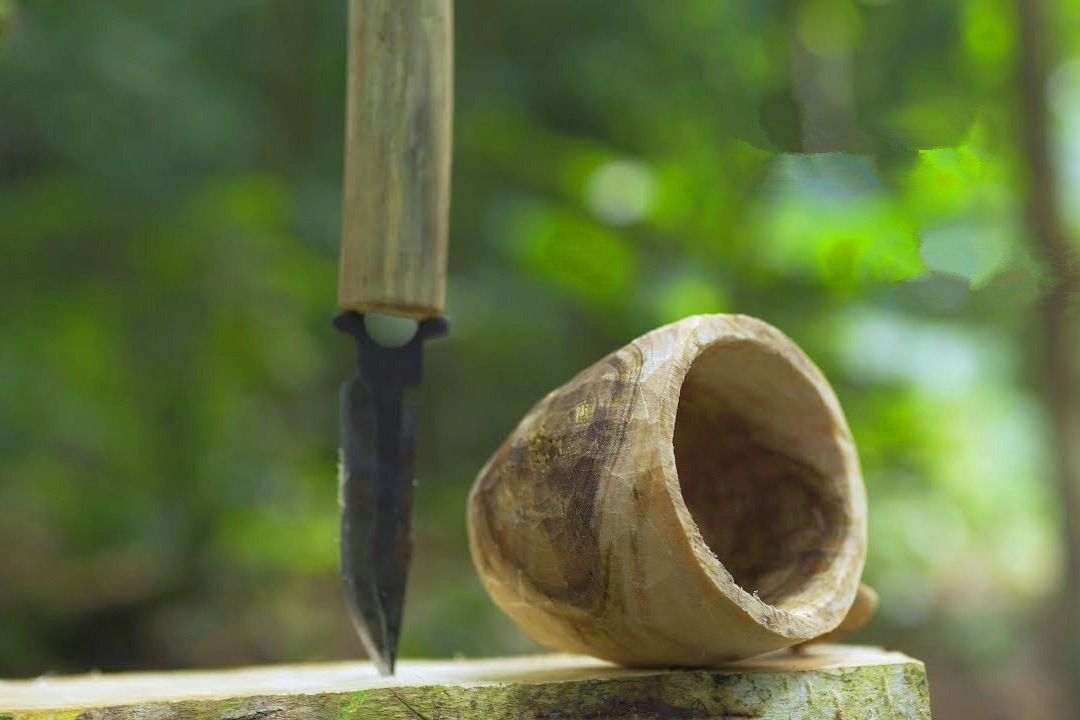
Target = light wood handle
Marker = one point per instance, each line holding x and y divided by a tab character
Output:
397	157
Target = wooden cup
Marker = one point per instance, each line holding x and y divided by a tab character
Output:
691	499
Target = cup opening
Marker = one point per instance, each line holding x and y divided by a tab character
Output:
760	470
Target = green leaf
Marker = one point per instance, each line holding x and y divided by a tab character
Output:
825	220
574	253
688	293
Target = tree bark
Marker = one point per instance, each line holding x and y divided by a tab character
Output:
823	683
1056	317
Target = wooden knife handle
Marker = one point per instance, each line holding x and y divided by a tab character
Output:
397	157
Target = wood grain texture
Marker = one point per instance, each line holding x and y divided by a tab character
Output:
397	157
690	499
823	683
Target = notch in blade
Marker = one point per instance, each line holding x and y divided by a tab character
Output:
377	451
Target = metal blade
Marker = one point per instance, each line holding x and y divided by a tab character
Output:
377	450
376	497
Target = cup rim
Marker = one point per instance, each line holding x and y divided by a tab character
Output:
834	587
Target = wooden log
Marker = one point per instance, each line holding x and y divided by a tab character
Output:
826	682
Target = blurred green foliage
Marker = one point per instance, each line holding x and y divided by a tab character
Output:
169	216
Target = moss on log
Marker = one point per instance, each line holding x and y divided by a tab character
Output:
822	683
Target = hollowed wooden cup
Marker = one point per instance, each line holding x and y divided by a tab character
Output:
691	499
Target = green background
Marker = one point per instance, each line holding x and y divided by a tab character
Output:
169	217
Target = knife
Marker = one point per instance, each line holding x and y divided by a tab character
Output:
391	289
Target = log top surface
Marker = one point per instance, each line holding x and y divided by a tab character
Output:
101	690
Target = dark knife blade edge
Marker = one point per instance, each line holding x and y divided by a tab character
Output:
377	456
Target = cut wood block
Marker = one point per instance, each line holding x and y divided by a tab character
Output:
826	682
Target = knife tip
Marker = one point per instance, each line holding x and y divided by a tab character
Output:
384	663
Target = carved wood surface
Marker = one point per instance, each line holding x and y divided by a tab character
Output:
690	499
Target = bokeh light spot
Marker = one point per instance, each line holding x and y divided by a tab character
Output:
621	192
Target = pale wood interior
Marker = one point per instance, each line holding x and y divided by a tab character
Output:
753	452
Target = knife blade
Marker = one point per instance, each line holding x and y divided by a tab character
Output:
392	287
